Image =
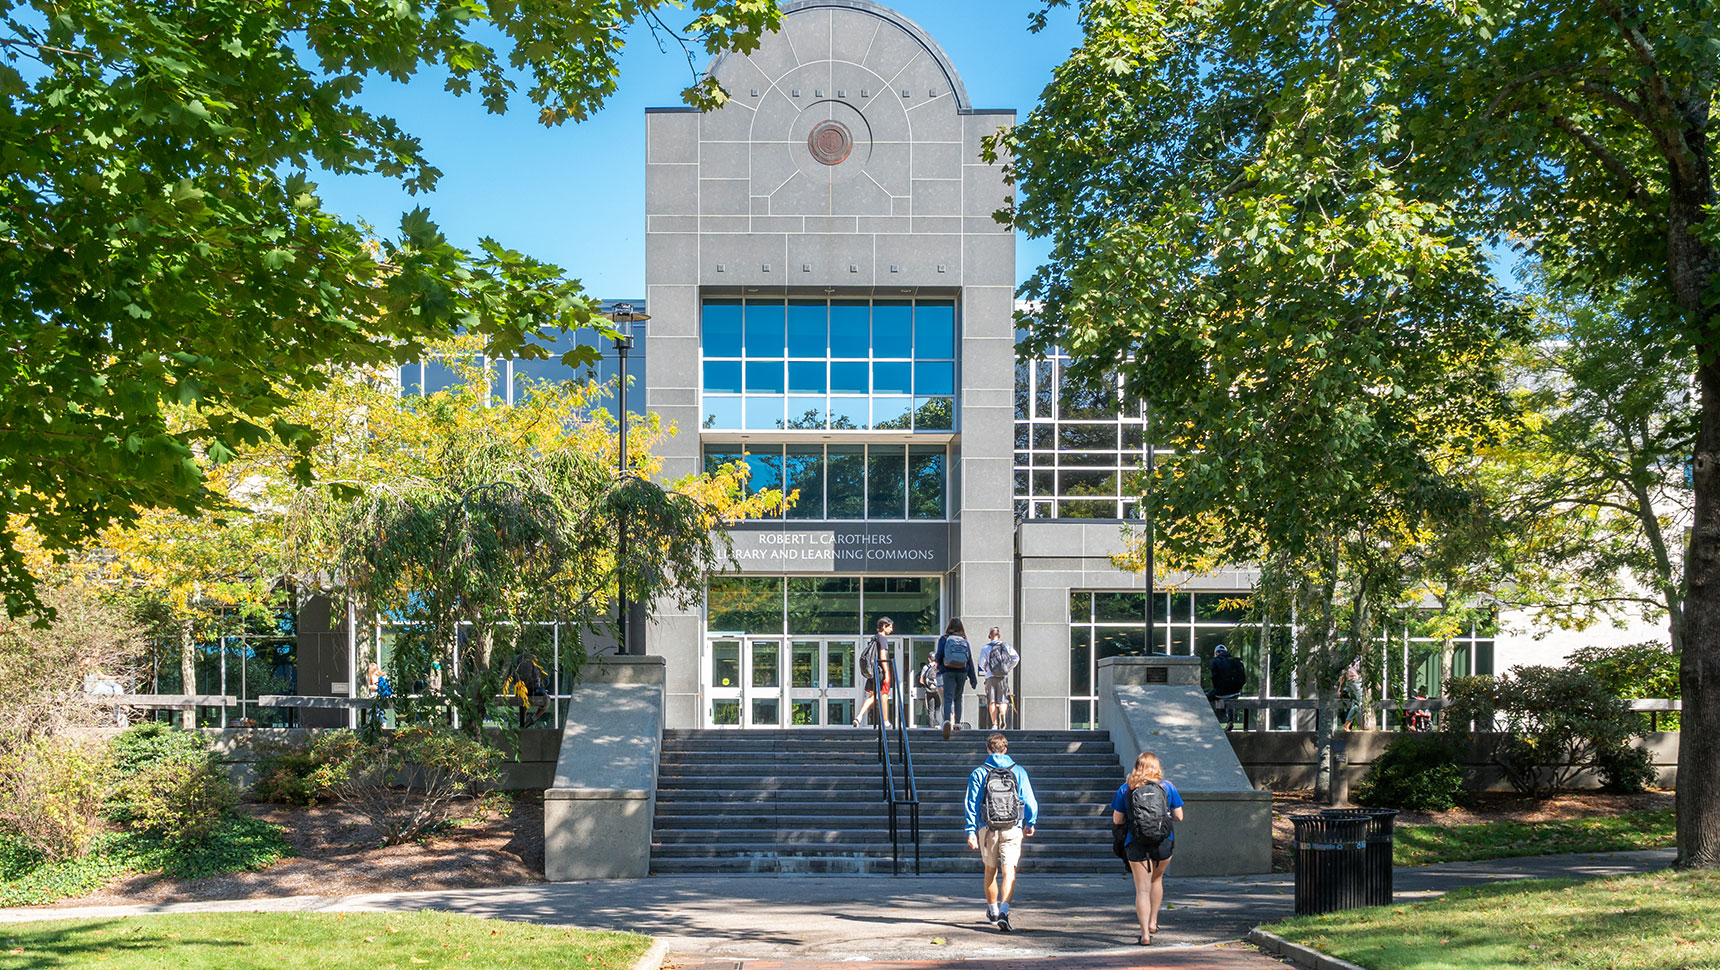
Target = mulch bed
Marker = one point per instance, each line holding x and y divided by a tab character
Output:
337	854
1488	807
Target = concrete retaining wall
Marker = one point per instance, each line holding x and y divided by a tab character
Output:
597	813
1227	826
1281	760
239	749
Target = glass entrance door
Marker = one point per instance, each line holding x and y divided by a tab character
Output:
754	683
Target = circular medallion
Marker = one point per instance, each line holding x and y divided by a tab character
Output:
830	142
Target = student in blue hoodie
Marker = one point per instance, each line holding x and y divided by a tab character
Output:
1001	812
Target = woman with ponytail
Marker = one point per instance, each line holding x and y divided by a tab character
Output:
1145	808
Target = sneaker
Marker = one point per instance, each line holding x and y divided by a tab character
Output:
1003	922
947	728
990	913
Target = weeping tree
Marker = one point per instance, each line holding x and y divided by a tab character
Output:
477	529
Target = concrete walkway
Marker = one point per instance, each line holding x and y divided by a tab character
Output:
880	918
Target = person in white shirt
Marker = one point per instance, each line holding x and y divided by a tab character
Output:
997	661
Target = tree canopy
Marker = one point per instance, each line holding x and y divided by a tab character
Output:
162	241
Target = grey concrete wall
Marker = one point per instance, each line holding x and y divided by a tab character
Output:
737	203
1284	760
1227	824
598	811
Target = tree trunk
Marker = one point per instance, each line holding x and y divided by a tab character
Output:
1693	265
187	673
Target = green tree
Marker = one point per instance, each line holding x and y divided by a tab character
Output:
164	241
1579	133
1314	341
1594	476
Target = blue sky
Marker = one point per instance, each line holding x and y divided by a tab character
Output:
575	195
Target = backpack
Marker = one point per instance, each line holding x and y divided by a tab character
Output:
929	676
1000	798
957	653
1150	813
869	658
1000	661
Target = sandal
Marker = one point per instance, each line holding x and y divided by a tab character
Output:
1144	941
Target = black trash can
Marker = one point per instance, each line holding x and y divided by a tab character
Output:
1331	853
1379	854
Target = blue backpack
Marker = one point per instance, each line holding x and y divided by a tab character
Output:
957	653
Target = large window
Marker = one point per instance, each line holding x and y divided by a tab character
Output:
1079	446
829	364
889	481
512	380
1114	624
822	605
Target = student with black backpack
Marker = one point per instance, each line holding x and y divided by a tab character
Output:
1001	812
956	669
1142	814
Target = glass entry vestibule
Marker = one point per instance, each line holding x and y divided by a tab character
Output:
781	651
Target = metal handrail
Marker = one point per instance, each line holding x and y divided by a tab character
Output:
910	789
910	786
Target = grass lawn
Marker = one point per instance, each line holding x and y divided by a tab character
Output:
272	941
1420	845
1659	921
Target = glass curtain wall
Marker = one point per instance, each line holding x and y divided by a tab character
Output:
881	481
849	365
1079	446
1114	624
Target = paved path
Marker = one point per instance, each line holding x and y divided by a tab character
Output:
883	919
1220	956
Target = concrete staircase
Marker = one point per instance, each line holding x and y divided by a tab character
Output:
811	801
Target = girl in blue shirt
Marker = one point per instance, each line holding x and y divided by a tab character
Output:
1147	861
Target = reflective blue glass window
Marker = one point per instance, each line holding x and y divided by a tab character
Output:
722	411
806	377
934	414
412	378
938	377
893	377
892	413
849	378
850	329
722	328
439	375
718	456
850	413
766	467
764	377
892	328
926	482
845	482
807	334
935	329
886	482
805	413
722	377
804	468
764	328
764	413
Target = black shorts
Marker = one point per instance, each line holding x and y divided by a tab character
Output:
1139	851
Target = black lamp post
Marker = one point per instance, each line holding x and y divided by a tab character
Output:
624	317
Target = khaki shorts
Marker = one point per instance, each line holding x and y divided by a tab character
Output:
997	690
1000	848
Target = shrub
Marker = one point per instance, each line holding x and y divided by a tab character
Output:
1626	770
1634	670
1553	723
51	796
438	765
138	749
183	800
306	774
1418	772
